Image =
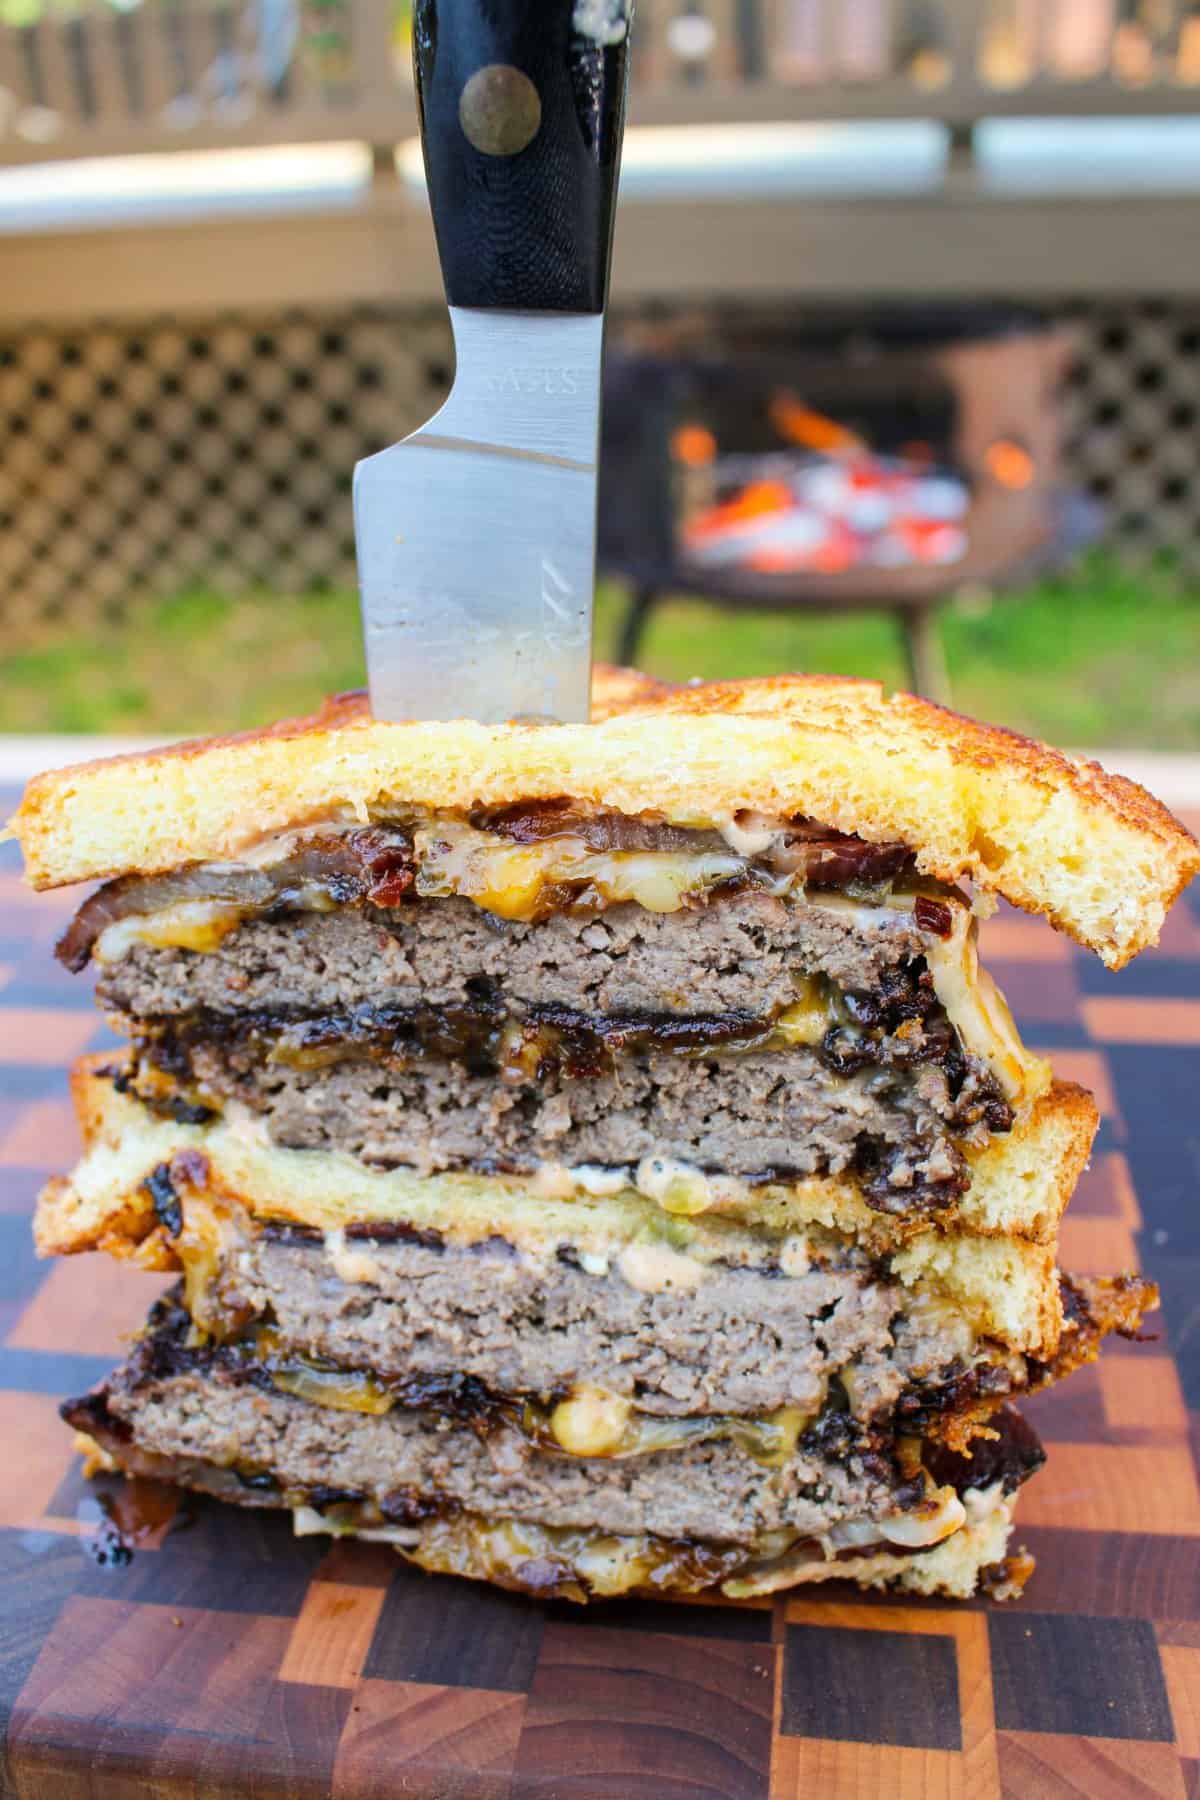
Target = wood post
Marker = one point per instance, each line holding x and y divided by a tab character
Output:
926	658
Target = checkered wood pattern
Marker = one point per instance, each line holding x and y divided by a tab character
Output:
228	1658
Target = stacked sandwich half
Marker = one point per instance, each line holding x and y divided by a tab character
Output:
592	1156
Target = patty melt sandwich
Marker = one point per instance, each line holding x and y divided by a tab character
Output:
592	1157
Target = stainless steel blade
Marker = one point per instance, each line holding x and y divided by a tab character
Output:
477	535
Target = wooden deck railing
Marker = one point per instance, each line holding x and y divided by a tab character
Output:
98	77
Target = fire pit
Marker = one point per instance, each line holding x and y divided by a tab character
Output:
883	464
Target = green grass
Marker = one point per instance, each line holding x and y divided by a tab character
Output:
1109	658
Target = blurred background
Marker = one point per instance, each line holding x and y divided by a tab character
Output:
904	375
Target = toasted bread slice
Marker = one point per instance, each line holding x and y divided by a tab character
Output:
1051	833
1005	1283
971	1559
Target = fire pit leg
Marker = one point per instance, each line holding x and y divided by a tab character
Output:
641	603
926	658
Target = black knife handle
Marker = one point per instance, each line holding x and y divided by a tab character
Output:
521	120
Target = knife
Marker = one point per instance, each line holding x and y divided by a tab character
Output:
476	536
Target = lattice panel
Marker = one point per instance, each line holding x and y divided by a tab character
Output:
1133	412
144	461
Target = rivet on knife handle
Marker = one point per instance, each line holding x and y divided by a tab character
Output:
522	104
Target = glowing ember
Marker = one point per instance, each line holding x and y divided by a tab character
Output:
828	514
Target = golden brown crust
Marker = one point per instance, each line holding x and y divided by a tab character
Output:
1053	834
989	752
1095	1307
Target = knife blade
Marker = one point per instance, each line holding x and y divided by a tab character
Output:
476	536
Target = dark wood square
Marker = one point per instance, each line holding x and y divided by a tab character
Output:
871	1687
443	1633
1078	1676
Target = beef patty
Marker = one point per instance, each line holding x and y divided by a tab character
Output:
741	1341
736	954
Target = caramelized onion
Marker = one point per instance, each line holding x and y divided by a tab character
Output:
557	1562
933	915
348	1390
530	821
825	858
832	859
373	864
377	864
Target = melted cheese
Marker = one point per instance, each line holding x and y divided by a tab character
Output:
96	1459
683	1189
207	1245
807	1019
938	1516
657	1269
509	879
592	1422
979	1012
188	925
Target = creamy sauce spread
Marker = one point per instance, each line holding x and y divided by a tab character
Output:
657	1269
749	833
351	1263
678	1187
795	1257
593	1179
